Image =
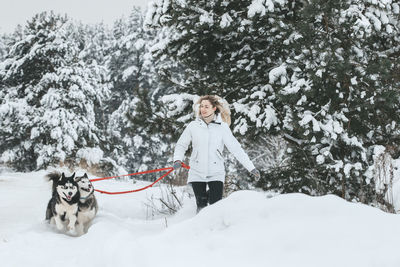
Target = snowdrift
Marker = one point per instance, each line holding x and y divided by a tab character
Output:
247	228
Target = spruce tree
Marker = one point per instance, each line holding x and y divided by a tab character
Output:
48	112
340	95
135	121
3	47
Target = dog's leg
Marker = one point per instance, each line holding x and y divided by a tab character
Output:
79	229
73	220
71	224
87	227
59	222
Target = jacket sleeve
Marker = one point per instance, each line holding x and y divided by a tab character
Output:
182	144
235	148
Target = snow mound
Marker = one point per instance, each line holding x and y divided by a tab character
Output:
248	228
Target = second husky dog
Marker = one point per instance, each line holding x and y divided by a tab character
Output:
87	205
62	209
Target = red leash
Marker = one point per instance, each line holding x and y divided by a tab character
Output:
170	169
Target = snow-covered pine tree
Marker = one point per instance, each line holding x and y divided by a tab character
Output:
340	91
95	42
47	115
126	61
224	47
135	126
7	39
3	46
95	45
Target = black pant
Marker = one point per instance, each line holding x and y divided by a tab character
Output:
204	197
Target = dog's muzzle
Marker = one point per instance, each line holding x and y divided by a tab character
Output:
68	197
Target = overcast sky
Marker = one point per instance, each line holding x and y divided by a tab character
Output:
13	12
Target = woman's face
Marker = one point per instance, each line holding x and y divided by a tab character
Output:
206	109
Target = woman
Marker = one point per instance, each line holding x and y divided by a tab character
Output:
209	133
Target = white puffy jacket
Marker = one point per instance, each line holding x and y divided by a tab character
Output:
208	141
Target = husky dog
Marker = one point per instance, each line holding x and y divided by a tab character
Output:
87	205
62	209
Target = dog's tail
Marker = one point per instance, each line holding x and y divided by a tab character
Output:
53	177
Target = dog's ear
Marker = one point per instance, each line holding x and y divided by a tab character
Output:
62	176
73	175
85	175
77	179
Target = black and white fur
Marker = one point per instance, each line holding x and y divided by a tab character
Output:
87	205
62	210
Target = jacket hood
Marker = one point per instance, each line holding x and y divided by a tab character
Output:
224	112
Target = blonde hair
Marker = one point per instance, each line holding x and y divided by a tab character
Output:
218	102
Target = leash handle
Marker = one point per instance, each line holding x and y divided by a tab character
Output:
169	169
185	166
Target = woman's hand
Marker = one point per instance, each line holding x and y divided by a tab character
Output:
177	165
256	174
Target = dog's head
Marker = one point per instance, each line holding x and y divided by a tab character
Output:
85	186
67	188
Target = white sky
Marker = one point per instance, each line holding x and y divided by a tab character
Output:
13	12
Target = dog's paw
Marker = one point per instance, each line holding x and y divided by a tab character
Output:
59	227
72	231
79	230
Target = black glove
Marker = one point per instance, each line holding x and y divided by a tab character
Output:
177	165
256	174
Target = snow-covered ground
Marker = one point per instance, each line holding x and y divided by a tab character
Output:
247	228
